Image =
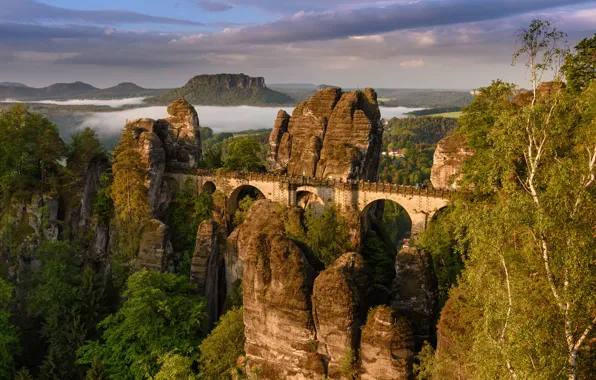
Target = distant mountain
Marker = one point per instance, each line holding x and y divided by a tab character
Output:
76	90
12	84
294	86
225	90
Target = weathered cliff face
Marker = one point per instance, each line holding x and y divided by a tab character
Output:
386	349
352	143
156	253
339	302
280	128
95	169
330	135
448	161
277	283
414	292
165	145
207	266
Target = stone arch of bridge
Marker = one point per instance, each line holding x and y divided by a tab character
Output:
309	197
208	187
235	196
372	218
418	211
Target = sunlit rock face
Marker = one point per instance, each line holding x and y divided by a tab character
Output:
448	162
331	135
386	347
277	282
171	144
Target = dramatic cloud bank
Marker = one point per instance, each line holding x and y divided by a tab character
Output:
390	43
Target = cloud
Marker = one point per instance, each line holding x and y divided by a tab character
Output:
212	6
413	63
35	11
327	25
40	56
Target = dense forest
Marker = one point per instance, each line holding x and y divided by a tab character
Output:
417	137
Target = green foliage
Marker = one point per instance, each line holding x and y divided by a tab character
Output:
327	235
53	368
9	338
377	261
243	207
434	111
212	158
243	154
186	212
347	364
417	137
23	374
129	193
221	349
175	367
83	147
424	368
396	222
128	188
56	298
161	313
580	68
30	151
103	206
95	372
445	239
525	303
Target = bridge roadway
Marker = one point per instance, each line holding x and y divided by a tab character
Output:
420	204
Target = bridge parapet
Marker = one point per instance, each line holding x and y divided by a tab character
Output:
382	187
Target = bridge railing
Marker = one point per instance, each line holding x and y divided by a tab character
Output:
359	185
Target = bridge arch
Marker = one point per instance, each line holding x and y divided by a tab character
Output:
208	187
309	197
388	219
239	193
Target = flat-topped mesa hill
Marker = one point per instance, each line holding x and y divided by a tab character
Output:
225	90
331	135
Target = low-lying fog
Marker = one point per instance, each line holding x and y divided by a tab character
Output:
86	102
220	119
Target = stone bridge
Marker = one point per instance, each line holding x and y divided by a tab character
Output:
420	204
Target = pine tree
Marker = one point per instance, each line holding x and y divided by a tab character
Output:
51	368
23	374
128	190
95	372
129	193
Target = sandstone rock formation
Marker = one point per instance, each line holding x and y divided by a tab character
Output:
448	161
386	348
277	283
206	267
280	128
170	144
97	166
156	251
339	309
414	292
333	134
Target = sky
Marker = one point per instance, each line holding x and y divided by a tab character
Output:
442	44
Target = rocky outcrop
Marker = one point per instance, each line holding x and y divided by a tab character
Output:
330	135
414	292
280	128
448	161
386	349
352	143
339	302
171	144
233	264
156	251
97	166
206	267
277	283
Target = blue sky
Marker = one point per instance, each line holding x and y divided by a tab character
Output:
379	43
